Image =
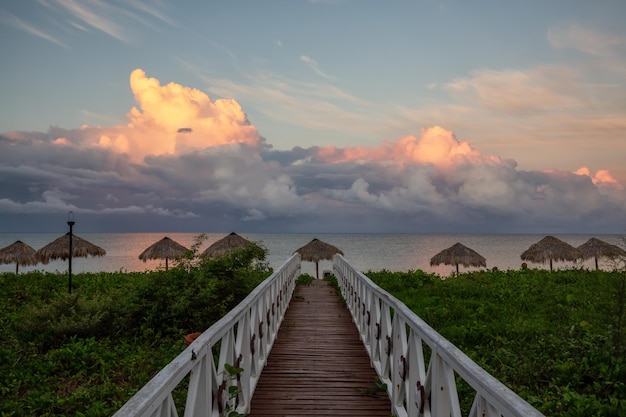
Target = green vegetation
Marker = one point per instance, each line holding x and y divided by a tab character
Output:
378	387
558	339
233	391
87	353
305	279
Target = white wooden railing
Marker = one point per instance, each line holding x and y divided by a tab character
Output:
393	335
242	338
395	338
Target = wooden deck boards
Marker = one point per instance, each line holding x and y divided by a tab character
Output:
318	365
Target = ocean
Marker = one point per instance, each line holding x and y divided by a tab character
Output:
375	252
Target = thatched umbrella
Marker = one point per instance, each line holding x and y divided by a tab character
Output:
20	253
458	254
165	248
596	248
316	251
227	245
551	248
60	249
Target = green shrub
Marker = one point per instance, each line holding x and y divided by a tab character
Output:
555	338
87	353
305	279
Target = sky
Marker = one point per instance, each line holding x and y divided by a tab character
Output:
313	116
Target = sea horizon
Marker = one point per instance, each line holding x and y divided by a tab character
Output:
366	251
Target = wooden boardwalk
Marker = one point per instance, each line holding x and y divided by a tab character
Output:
318	366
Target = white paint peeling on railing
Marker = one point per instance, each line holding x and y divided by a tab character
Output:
242	338
394	338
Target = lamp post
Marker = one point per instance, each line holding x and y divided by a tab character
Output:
70	223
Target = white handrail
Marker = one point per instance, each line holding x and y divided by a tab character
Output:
242	338
394	338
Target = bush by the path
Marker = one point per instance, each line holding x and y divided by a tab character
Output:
88	352
558	338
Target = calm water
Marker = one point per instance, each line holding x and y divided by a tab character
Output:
394	252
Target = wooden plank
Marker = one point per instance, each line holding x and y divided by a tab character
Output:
318	366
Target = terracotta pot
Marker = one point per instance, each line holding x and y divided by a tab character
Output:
191	337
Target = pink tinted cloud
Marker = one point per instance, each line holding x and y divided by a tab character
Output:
436	146
61	141
173	119
602	178
440	148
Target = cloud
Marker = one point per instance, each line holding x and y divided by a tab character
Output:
440	176
535	114
188	162
96	15
437	146
16	22
314	66
586	40
601	178
300	104
520	93
151	11
530	113
119	22
173	119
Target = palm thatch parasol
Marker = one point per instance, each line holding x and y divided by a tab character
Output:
20	253
227	245
551	248
596	248
165	248
60	249
458	254
317	250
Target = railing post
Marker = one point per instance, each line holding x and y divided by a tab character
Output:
202	381
400	361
